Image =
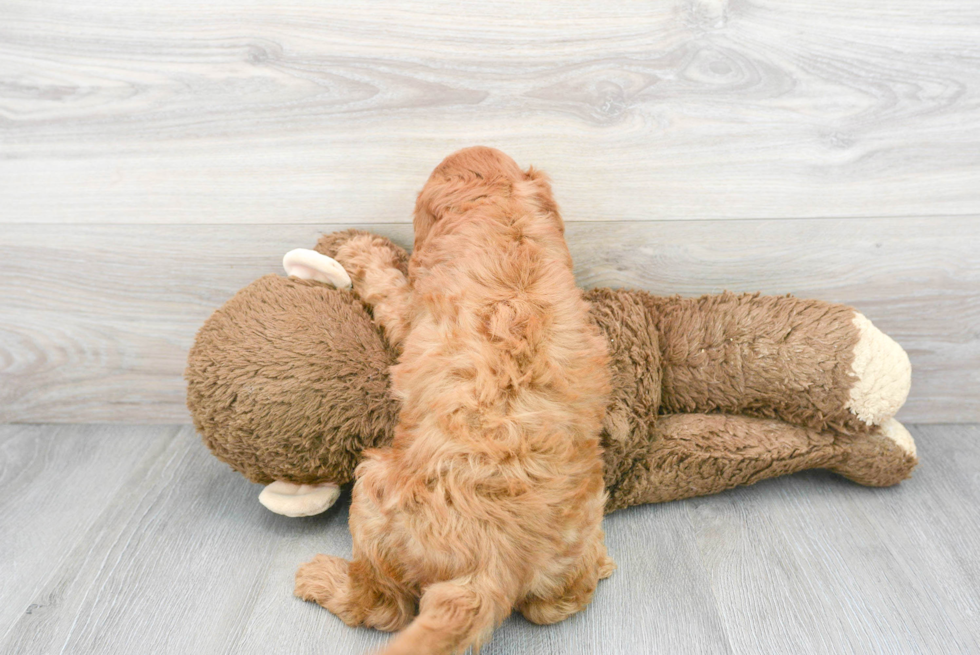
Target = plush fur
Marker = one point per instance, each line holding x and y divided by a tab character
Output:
491	495
274	415
287	395
714	392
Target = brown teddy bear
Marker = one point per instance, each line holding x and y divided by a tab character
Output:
288	384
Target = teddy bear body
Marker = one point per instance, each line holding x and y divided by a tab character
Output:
289	382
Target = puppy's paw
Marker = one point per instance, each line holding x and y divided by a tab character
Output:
606	567
322	580
366	252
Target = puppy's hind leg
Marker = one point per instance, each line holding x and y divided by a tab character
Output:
355	593
577	593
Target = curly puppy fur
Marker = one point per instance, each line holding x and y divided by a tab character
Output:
491	495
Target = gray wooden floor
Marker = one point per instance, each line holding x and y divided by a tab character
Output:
123	539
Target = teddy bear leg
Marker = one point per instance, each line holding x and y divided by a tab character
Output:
882	458
294	500
806	362
699	454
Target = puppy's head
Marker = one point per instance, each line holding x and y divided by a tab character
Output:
470	176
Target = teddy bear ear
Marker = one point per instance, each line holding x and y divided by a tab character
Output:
311	265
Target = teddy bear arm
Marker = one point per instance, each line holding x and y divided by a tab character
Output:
699	454
807	362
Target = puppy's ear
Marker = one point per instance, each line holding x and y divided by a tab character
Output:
424	217
450	189
538	186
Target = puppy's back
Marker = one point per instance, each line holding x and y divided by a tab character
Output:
503	380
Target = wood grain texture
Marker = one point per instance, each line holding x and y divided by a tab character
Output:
321	111
178	556
96	321
54	483
182	558
818	564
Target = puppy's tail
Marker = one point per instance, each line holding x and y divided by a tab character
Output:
452	617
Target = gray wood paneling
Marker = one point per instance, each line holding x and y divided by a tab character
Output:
146	543
324	111
96	321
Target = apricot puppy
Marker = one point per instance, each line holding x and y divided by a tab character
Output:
491	496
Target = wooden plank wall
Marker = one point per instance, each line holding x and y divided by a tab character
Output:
157	156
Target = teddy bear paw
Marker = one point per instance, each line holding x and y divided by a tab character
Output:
295	500
897	433
883	374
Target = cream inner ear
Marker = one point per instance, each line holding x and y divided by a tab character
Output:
291	499
311	265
